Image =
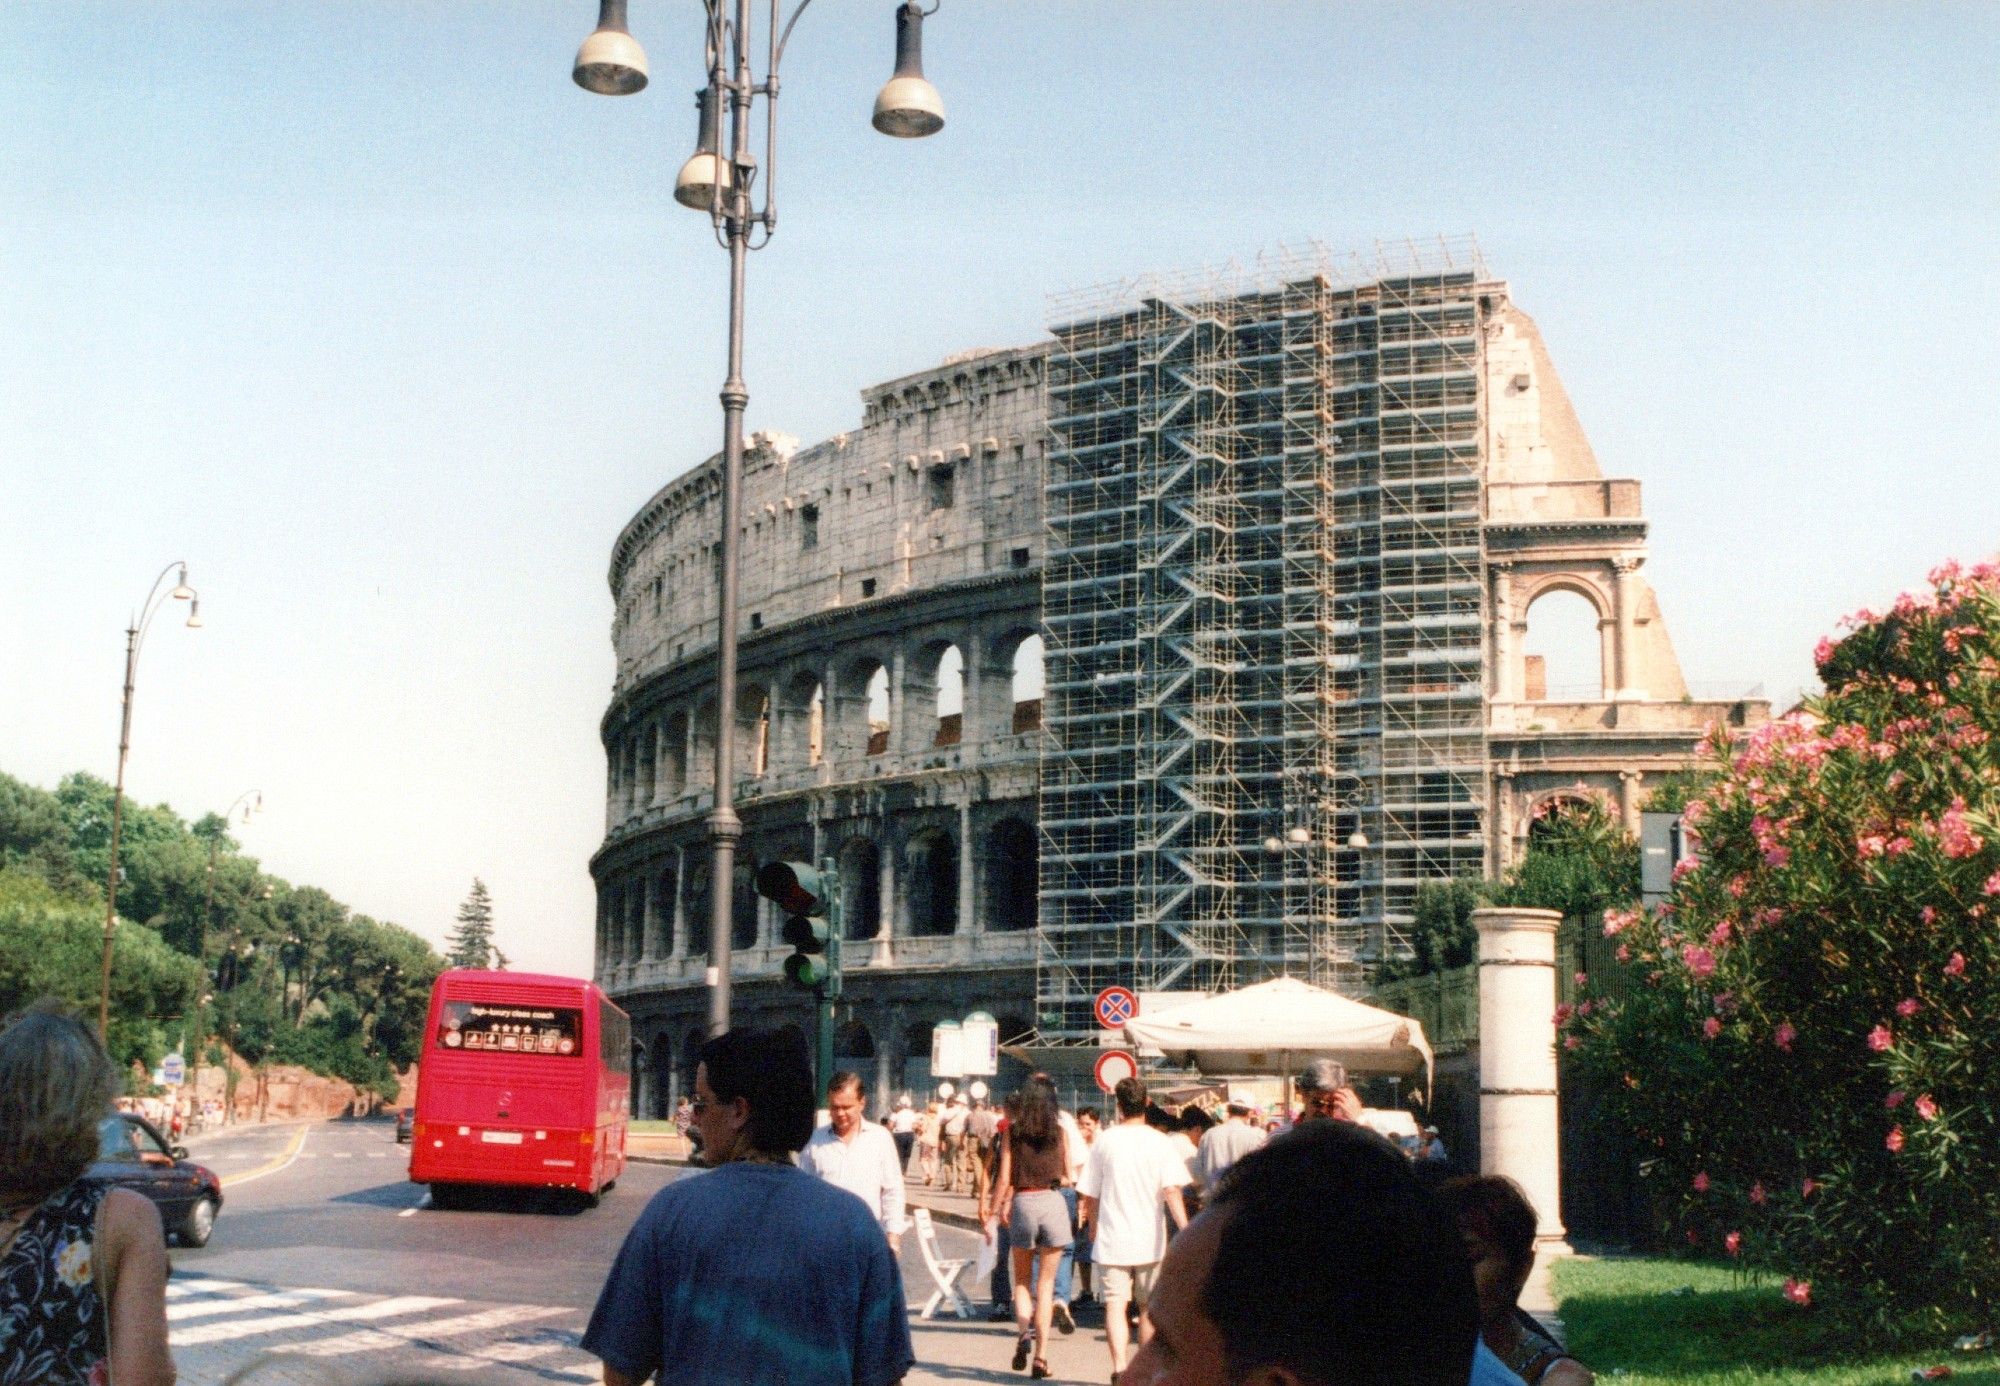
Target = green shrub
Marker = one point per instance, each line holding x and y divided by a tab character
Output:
1808	1060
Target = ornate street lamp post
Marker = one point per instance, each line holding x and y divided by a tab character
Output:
612	63
135	637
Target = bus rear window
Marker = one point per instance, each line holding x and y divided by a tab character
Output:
489	1027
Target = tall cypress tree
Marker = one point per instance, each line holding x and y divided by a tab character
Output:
471	943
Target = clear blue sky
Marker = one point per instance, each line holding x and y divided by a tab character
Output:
386	327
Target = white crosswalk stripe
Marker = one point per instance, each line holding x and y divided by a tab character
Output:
443	1334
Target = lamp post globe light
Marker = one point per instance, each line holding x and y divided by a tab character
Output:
723	184
135	639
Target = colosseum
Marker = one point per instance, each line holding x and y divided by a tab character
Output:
1173	650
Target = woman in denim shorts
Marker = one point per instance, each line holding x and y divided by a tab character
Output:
1034	1164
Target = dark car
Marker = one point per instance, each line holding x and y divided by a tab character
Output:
132	1154
403	1116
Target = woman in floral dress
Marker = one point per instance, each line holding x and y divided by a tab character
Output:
83	1268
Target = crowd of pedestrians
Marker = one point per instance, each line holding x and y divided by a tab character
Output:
1321	1253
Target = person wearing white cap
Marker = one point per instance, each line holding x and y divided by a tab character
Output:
902	1125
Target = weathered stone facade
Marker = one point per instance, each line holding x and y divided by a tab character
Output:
886	570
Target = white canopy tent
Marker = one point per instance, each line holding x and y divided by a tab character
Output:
1276	1027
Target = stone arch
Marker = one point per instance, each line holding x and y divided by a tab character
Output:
642	1080
934	696
854	1041
860	889
674	755
701	743
666	1079
666	886
645	769
800	739
691	1056
1013	858
1027	673
931	891
743	907
1545	809
635	919
695	904
1565	643
860	707
753	731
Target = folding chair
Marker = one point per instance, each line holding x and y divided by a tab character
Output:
945	1273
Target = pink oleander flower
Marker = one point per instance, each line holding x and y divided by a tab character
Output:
1893	1142
1711	1027
1871	844
1617	922
1928	914
1686	867
1894	1099
1954	833
1823	651
1563	1013
1907	1007
1701	1181
1757	1194
1624	953
1956	967
1733	1243
1880	1039
1572	1042
1699	961
1721	934
1694	1237
1992	886
1808	1187
1798	1292
1582	979
1927	1108
1784	1035
1777	856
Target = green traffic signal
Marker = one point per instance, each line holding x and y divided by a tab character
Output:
806	970
795	888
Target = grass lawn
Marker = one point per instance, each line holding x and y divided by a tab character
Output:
652	1128
1627	1323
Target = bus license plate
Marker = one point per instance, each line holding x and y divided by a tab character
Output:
501	1137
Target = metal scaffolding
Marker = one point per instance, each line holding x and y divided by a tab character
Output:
1263	608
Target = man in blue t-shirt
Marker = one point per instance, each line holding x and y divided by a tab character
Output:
755	1272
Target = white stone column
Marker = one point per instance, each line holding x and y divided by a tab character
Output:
649	916
967	922
1624	599
1518	1127
1628	800
658	732
883	952
677	914
612	788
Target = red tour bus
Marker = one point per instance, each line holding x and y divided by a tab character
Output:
525	1079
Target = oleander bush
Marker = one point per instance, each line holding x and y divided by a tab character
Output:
1808	1045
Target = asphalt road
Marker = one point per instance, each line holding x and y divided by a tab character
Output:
327	1266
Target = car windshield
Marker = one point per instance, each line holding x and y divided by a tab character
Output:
117	1139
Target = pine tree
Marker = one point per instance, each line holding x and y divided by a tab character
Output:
471	943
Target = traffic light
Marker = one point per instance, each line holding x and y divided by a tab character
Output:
797	890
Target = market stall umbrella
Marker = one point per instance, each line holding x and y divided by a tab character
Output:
1277	1026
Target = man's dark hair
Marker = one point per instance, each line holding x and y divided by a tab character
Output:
1492	1206
771	1070
1322	1075
1130	1095
843	1081
1334	1262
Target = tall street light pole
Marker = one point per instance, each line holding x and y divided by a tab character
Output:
135	637
612	63
251	801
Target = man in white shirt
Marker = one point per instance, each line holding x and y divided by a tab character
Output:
853	1153
1223	1144
1130	1186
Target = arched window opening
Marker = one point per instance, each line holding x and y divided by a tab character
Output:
663	911
853	1041
648	750
1011	876
674	757
950	693
696	907
878	712
933	883
753	729
1563	655
743	908
860	890
1028	684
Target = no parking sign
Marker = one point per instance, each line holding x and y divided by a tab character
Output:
1113	1067
1115	1006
